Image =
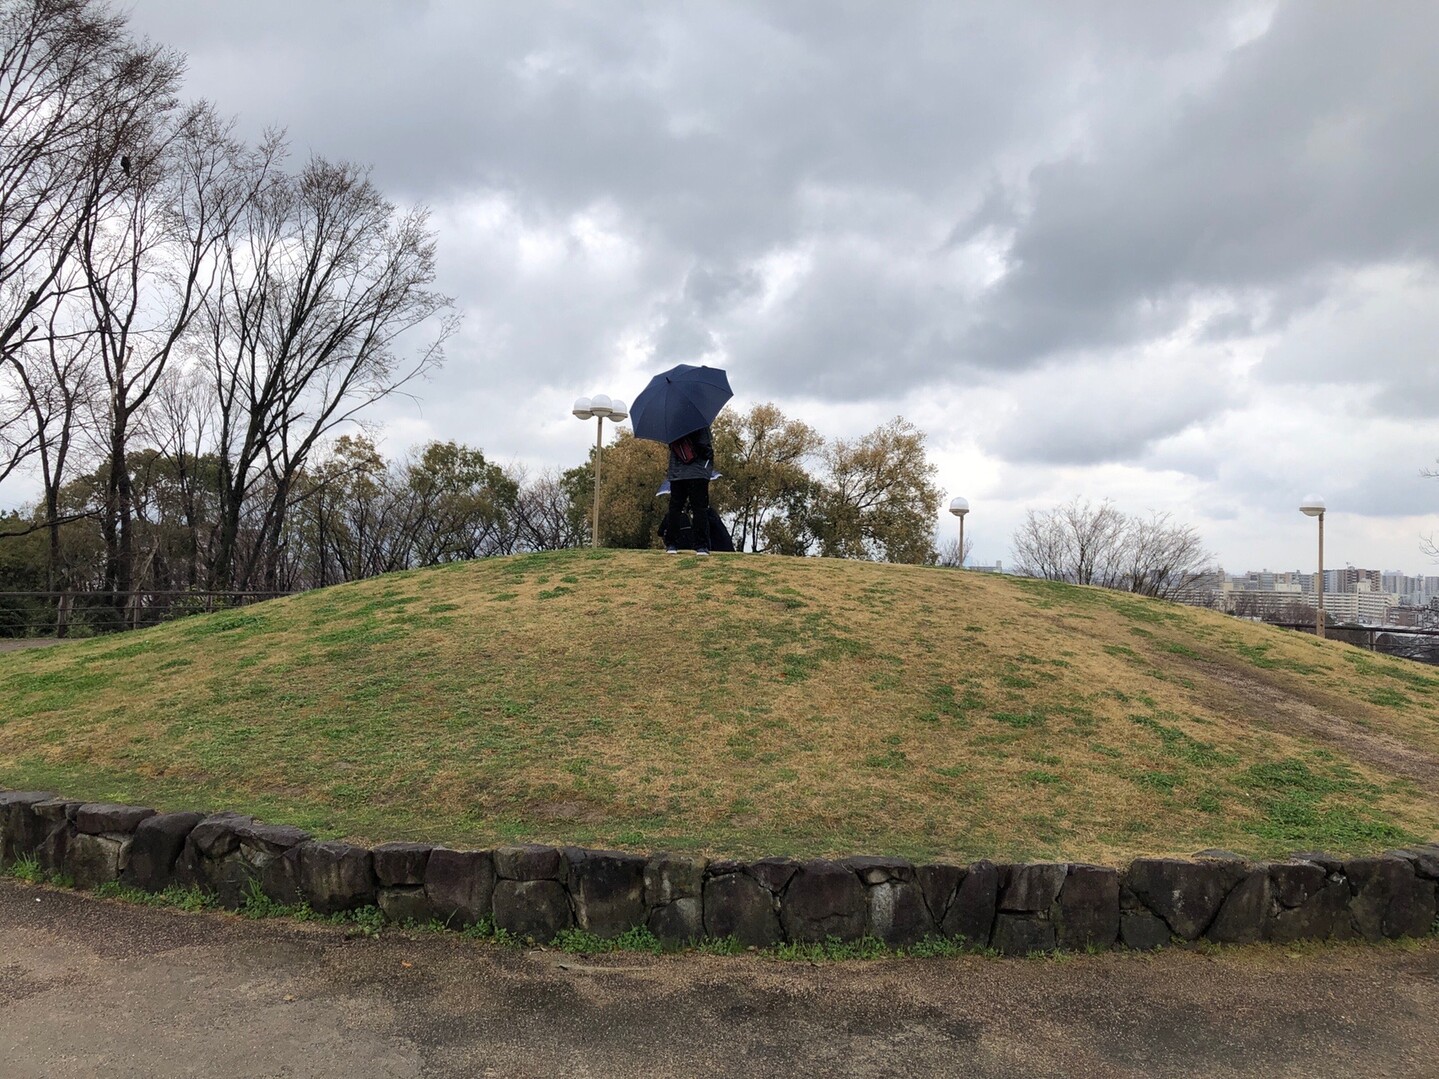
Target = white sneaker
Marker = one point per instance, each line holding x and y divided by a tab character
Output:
702	552
671	550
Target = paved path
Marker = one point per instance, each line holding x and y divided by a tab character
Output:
17	644
94	988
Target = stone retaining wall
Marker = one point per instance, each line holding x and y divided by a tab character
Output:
536	892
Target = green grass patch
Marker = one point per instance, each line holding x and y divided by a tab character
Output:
1318	809
1163	782
735	707
1258	655
1019	720
1175	743
1386	696
1040	776
582	942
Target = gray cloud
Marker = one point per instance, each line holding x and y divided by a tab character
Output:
1092	413
1283	166
1077	208
1377	334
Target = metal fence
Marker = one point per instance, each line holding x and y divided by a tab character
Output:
62	614
1419	643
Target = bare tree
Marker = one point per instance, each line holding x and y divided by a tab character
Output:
949	554
20	399
1427	543
321	283
181	421
71	86
1077	542
546	517
76	94
1247	605
59	381
149	268
1086	543
1297	612
1041	547
1095	536
1160	558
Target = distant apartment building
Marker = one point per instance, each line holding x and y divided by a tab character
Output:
1415	591
1351	594
1370	608
1349	579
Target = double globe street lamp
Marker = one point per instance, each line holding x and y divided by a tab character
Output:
1313	506
602	408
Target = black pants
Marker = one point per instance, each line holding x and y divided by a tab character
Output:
695	493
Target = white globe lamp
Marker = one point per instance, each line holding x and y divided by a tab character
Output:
959	507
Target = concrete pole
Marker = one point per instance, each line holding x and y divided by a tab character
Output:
599	442
1319	614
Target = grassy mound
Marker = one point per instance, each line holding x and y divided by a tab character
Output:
741	705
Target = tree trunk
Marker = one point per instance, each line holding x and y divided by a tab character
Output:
120	568
52	568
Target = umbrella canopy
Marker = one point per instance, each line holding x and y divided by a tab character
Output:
678	401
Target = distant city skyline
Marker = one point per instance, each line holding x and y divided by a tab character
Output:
1335	540
1351	594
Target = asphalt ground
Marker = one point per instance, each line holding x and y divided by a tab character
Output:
92	987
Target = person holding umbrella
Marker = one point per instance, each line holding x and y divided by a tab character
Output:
677	408
691	462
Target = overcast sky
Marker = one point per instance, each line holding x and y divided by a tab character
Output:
1179	255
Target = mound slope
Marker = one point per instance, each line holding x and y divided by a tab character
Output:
742	705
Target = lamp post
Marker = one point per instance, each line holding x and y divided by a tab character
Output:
1313	506
959	507
601	408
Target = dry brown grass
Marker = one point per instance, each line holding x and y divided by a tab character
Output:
742	704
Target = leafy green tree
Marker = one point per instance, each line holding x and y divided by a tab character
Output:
878	500
23	560
762	456
461	506
349	514
790	530
631	473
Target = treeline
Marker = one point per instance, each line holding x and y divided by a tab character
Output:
350	514
185	319
784	489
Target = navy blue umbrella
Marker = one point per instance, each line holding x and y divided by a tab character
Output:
678	401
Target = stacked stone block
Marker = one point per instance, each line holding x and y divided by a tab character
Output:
536	892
